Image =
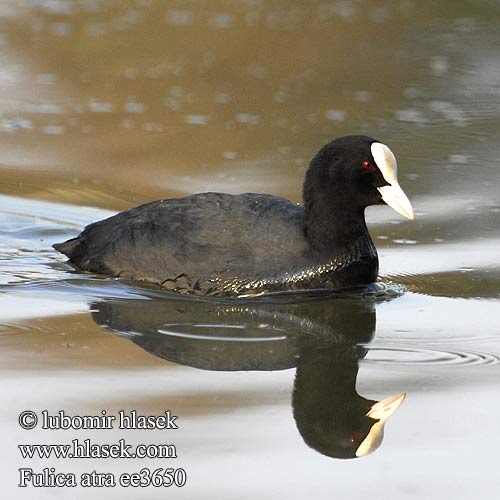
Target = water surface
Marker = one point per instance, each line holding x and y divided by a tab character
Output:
105	105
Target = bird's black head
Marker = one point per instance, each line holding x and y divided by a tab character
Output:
351	173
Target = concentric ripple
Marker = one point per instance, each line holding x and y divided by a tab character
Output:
403	355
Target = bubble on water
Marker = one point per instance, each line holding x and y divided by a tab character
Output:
466	24
53	129
404	241
172	103
24	123
413	93
134	107
156	71
46	78
450	112
96	29
131	73
120	24
280	96
60	29
257	71
14	124
7	126
273	19
313	118
222	20
180	17
196	119
91	5
134	16
345	10
248	118
49	108
208	60
128	124
230	155
152	127
100	106
439	65
222	98
411	115
280	123
252	18
176	91
459	159
58	7
336	115
363	96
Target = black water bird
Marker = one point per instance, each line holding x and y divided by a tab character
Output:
320	338
252	244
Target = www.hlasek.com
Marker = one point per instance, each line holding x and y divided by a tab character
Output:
85	448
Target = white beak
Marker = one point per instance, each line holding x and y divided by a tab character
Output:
395	197
392	194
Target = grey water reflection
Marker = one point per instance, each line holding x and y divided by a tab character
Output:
322	339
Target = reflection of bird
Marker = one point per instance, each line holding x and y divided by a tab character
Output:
250	244
330	415
320	338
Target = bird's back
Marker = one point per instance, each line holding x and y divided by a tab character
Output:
200	243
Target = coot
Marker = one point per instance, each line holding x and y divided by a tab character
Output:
252	244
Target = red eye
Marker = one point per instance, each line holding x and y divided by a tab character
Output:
367	165
353	438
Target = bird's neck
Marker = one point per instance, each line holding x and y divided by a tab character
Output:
334	230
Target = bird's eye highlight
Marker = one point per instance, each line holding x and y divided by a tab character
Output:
354	437
367	165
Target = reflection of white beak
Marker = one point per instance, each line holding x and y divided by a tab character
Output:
395	197
385	408
380	411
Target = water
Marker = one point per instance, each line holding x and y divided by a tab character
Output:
106	105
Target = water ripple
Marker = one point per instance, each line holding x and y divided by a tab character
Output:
401	355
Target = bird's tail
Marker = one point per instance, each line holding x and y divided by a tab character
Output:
67	247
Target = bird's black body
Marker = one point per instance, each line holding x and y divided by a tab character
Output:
215	243
248	244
